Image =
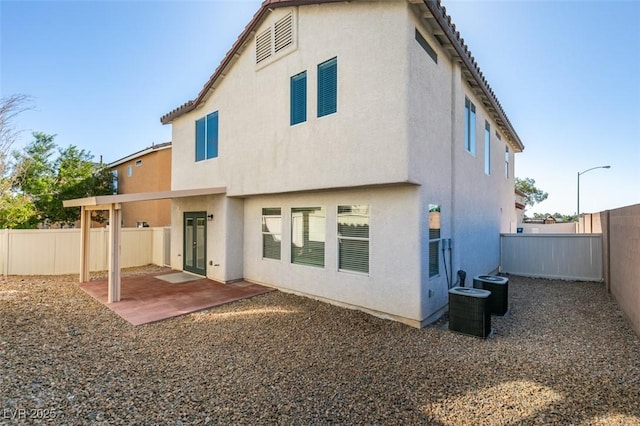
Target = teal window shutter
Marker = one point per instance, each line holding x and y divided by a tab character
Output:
212	135
328	87
299	98
200	138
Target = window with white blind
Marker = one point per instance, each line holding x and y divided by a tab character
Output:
434	240
271	233
308	236
353	238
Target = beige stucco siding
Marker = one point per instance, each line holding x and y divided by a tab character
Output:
391	286
396	143
363	143
475	206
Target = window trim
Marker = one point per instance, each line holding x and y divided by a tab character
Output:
341	238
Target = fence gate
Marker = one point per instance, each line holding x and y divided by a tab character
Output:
564	256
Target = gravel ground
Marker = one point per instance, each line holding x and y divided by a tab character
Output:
563	355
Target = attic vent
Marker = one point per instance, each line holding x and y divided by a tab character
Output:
263	46
283	30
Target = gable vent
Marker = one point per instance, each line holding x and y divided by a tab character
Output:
283	30
263	46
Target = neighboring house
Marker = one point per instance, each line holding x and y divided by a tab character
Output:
542	220
148	170
361	156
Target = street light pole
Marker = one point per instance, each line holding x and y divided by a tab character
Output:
581	173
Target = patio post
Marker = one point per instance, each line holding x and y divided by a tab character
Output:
85	243
114	253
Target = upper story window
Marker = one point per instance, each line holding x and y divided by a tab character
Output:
353	238
487	148
138	163
115	181
299	98
469	126
426	46
506	162
328	87
129	170
275	39
207	137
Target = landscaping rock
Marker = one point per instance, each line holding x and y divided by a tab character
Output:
562	355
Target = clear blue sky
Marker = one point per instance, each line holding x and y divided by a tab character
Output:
101	73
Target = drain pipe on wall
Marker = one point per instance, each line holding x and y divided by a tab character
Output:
447	245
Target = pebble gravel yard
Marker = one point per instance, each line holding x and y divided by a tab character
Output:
564	354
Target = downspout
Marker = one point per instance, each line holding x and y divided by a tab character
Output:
455	78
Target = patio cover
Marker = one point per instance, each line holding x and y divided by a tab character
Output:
112	203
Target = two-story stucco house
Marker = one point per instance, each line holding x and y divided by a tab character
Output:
363	158
148	170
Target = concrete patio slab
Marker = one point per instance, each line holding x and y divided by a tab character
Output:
150	298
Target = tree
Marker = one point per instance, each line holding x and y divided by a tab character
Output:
532	194
48	175
33	175
558	216
10	107
79	177
15	208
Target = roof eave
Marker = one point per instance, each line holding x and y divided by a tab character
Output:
234	53
439	14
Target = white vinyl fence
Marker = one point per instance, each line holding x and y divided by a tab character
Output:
57	251
565	256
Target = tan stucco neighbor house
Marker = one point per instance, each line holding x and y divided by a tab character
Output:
148	170
351	152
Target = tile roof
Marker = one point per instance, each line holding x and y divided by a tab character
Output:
450	38
145	151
